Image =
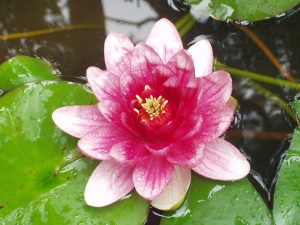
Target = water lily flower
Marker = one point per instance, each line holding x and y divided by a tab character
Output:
161	113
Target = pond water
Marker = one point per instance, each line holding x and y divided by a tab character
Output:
261	129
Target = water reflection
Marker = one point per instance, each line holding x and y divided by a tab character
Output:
58	14
71	51
134	18
178	5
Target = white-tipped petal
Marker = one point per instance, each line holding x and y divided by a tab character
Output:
174	193
203	58
109	182
78	120
164	39
222	161
116	49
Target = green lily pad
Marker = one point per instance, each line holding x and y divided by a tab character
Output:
220	203
24	69
296	107
243	9
42	173
287	193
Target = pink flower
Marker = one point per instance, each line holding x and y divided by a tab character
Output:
160	114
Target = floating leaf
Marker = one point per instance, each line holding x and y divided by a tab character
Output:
220	203
287	193
42	174
296	107
243	9
24	69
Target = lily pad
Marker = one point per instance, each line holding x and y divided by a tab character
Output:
287	193
243	9
42	174
24	69
220	203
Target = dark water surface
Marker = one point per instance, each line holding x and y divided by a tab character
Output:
261	129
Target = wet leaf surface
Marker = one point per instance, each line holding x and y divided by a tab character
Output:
42	173
287	193
24	69
220	203
244	9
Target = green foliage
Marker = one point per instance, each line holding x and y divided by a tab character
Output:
42	173
244	9
287	193
23	69
220	203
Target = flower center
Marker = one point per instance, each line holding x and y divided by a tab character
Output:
152	105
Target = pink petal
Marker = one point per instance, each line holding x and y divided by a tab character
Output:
163	75
190	126
143	61
215	121
129	150
78	120
105	85
151	176
112	111
174	193
186	153
203	58
190	99
109	182
98	144
117	49
217	89
164	39
182	63
182	67
130	86
118	115
222	161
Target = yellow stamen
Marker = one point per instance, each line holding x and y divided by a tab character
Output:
140	100
154	106
164	103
